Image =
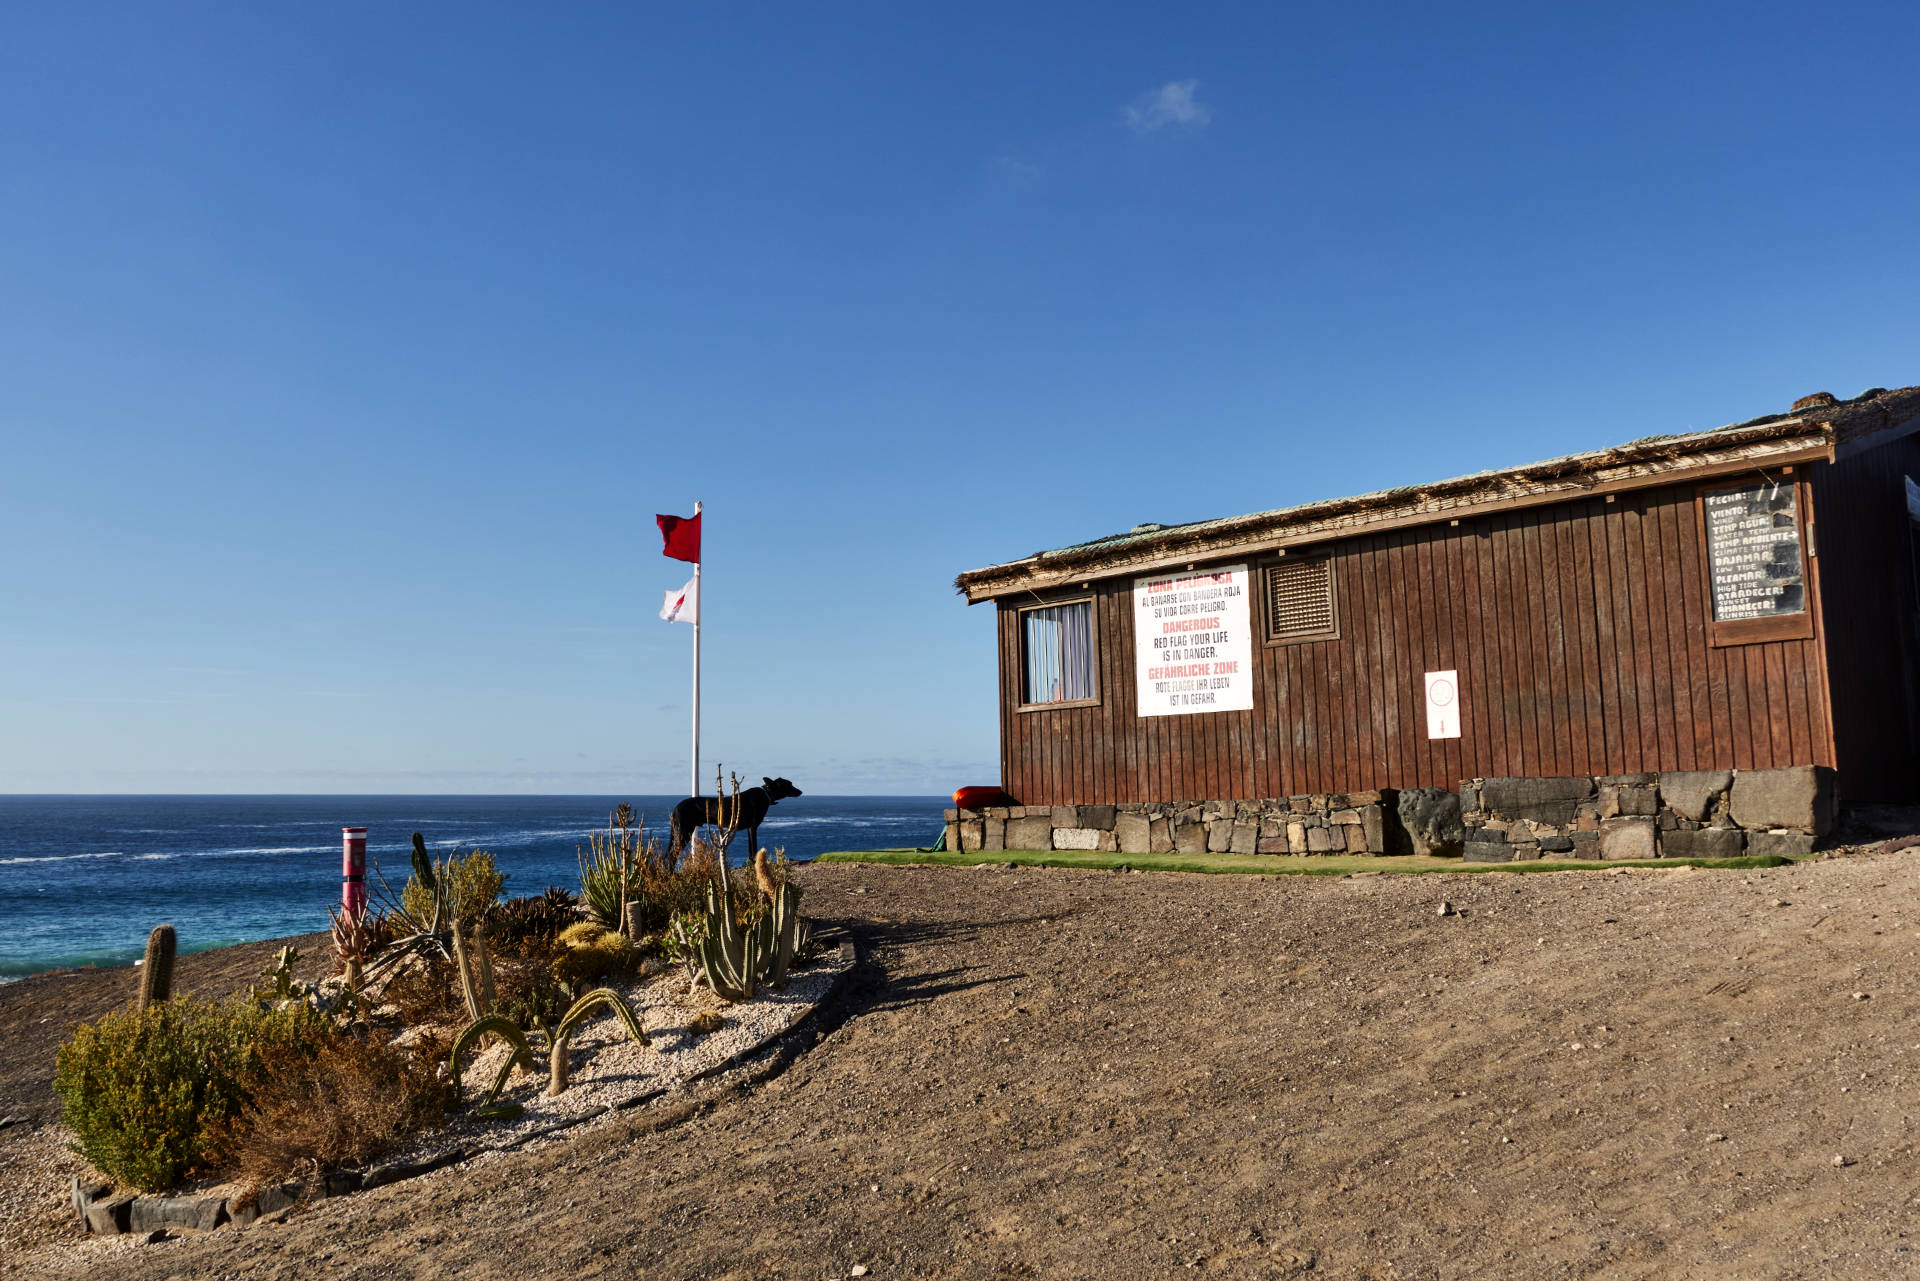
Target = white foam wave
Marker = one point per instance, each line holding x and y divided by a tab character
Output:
61	858
276	849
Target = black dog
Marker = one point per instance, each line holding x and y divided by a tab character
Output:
698	811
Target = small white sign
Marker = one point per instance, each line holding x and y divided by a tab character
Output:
1443	704
1193	638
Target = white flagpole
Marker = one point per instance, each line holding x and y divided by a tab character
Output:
699	608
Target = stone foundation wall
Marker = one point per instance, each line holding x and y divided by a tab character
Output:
1353	823
1696	814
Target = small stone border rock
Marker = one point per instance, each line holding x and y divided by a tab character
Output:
105	1214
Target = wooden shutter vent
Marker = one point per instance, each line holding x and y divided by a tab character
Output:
1300	599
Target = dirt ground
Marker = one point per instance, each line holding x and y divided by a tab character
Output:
1038	1073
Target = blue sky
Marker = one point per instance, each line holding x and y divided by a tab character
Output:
347	352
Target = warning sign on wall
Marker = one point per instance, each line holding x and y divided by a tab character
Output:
1443	704
1193	640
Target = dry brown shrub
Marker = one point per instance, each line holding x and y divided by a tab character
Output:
665	889
349	1103
427	992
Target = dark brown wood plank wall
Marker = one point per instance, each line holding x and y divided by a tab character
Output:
1580	635
1870	613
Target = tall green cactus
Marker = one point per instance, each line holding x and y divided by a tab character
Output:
789	932
733	956
156	971
422	864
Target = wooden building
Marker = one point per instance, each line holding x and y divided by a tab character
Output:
1739	599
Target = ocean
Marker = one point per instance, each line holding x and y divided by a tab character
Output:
84	878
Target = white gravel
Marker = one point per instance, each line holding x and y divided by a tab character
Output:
606	1068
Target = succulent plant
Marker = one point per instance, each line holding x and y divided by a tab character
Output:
790	932
733	955
497	1025
156	971
509	1031
469	984
485	963
573	1018
422	863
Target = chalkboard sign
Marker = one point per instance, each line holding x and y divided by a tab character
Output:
1753	551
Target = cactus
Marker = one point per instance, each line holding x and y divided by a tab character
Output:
469	990
422	865
486	966
507	1030
156	972
557	1057
789	933
733	956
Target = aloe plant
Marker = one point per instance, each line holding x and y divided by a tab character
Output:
429	930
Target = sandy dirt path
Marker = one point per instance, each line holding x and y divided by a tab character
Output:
1117	1075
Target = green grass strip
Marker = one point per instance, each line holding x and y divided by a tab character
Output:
1267	864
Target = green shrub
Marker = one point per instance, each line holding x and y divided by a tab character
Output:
608	956
146	1092
474	885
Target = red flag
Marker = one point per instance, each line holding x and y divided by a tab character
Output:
683	537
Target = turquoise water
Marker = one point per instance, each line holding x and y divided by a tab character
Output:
84	878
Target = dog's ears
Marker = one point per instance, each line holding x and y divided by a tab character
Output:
766	780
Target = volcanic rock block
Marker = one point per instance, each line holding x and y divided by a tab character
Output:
1799	797
1545	800
1430	816
1618	799
1626	838
1705	842
1779	844
1690	793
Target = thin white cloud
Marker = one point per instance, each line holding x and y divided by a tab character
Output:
1172	103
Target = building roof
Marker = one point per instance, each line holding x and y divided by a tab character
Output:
1819	427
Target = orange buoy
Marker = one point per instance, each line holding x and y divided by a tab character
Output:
979	798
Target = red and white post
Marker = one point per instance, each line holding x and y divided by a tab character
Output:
353	871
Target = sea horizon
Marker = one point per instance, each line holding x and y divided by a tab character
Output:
85	876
